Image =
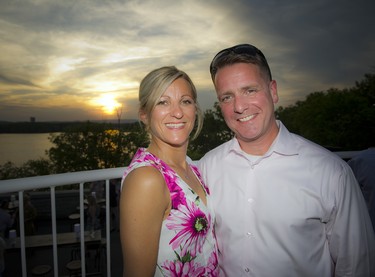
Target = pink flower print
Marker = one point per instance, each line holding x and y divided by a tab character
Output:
212	266
155	162
137	158
177	194
180	269
196	171
192	226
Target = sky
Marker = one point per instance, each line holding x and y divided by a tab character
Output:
79	60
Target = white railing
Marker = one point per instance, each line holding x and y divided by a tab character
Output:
51	182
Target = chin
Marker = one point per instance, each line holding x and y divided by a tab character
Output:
178	143
247	136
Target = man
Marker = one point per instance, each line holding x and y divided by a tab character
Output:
284	206
363	166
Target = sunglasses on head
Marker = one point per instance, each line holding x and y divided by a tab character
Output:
240	49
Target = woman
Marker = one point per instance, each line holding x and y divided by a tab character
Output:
166	224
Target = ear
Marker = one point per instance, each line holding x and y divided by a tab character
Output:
273	90
143	117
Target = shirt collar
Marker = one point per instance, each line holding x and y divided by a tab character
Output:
282	144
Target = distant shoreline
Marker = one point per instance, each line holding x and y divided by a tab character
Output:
55	126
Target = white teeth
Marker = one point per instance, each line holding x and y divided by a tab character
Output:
174	125
247	118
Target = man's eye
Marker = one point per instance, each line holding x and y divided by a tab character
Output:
226	98
251	91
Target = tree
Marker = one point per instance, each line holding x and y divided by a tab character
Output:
30	168
337	119
93	146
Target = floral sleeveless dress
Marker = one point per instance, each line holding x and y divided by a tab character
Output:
187	242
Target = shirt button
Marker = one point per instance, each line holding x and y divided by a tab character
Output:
249	234
250	200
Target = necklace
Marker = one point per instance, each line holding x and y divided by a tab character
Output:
185	172
178	169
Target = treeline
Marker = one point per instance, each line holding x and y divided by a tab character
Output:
336	119
53	127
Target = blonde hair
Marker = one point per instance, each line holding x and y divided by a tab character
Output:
155	83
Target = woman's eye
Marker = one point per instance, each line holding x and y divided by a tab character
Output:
162	102
187	101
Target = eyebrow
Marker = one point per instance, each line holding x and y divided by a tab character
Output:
250	87
242	89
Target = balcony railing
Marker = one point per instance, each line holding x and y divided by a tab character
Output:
52	182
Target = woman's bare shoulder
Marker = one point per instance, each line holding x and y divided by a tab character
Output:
144	188
145	177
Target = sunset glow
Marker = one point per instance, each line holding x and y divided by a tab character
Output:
107	103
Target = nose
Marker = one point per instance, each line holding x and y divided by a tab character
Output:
239	104
176	111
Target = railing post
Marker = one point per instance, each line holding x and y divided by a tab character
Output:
54	231
108	227
82	225
21	214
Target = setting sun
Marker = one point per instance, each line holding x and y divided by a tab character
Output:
108	103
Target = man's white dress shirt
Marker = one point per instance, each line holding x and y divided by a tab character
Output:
296	211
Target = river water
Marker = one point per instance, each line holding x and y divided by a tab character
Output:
19	148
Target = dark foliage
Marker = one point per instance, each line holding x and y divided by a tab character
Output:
336	119
93	146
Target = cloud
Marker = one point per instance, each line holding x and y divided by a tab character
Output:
14	81
59	55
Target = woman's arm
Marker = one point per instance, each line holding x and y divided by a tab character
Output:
144	202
